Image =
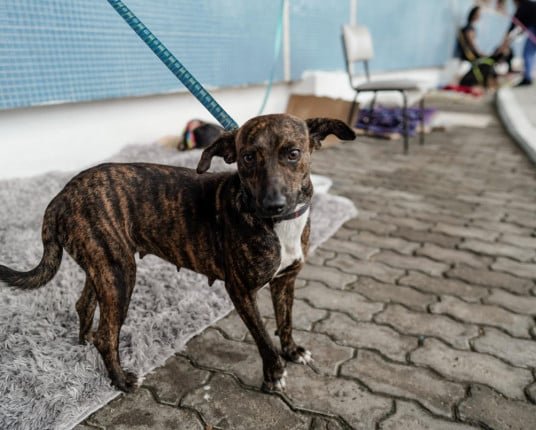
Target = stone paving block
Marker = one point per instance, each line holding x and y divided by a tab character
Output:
481	200
467	232
497	249
173	380
346	233
212	350
420	264
524	270
319	256
374	225
386	242
300	283
303	315
517	325
388	293
519	240
355	249
519	352
487	212
324	424
442	286
503	227
233	326
452	256
524	205
498	195
497	412
329	276
401	196
223	403
454	206
140	411
345	301
427	237
424	324
327	355
367	335
490	278
341	397
513	302
373	269
473	367
442	218
402	380
404	222
531	392
524	218
410	417
367	214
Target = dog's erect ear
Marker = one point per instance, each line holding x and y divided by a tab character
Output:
223	146
320	128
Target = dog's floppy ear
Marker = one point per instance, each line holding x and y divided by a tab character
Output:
223	146
320	128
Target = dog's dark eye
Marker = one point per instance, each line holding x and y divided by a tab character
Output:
294	155
248	158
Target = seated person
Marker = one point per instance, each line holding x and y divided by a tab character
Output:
466	48
482	71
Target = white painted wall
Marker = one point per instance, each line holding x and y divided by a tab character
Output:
69	137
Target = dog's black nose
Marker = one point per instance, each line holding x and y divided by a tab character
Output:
274	204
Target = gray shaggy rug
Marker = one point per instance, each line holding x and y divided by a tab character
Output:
47	380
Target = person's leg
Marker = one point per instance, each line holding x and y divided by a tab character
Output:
529	51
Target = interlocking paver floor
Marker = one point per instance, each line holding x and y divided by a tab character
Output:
420	312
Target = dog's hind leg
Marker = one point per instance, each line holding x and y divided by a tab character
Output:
85	307
113	285
282	290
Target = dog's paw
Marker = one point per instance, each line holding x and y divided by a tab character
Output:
128	383
277	385
298	354
88	338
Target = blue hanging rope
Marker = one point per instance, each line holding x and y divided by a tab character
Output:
174	65
277	51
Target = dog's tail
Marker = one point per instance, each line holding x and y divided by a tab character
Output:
50	262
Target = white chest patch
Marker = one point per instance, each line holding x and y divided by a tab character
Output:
289	233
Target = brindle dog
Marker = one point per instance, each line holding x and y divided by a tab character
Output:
247	228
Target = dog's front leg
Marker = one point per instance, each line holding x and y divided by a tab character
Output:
282	290
246	306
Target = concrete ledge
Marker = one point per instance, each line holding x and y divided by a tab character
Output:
515	117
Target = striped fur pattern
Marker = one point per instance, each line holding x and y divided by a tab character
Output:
217	224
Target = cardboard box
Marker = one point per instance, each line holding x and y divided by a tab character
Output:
308	106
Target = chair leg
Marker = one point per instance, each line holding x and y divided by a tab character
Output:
405	122
421	139
371	110
373	102
351	114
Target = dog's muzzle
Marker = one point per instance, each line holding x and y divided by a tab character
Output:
274	204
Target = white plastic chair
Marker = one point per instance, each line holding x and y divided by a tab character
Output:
357	47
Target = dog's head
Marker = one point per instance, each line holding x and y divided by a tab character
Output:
273	154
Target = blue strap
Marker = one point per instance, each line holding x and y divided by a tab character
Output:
174	65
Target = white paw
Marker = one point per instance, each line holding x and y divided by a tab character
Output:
281	383
305	358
